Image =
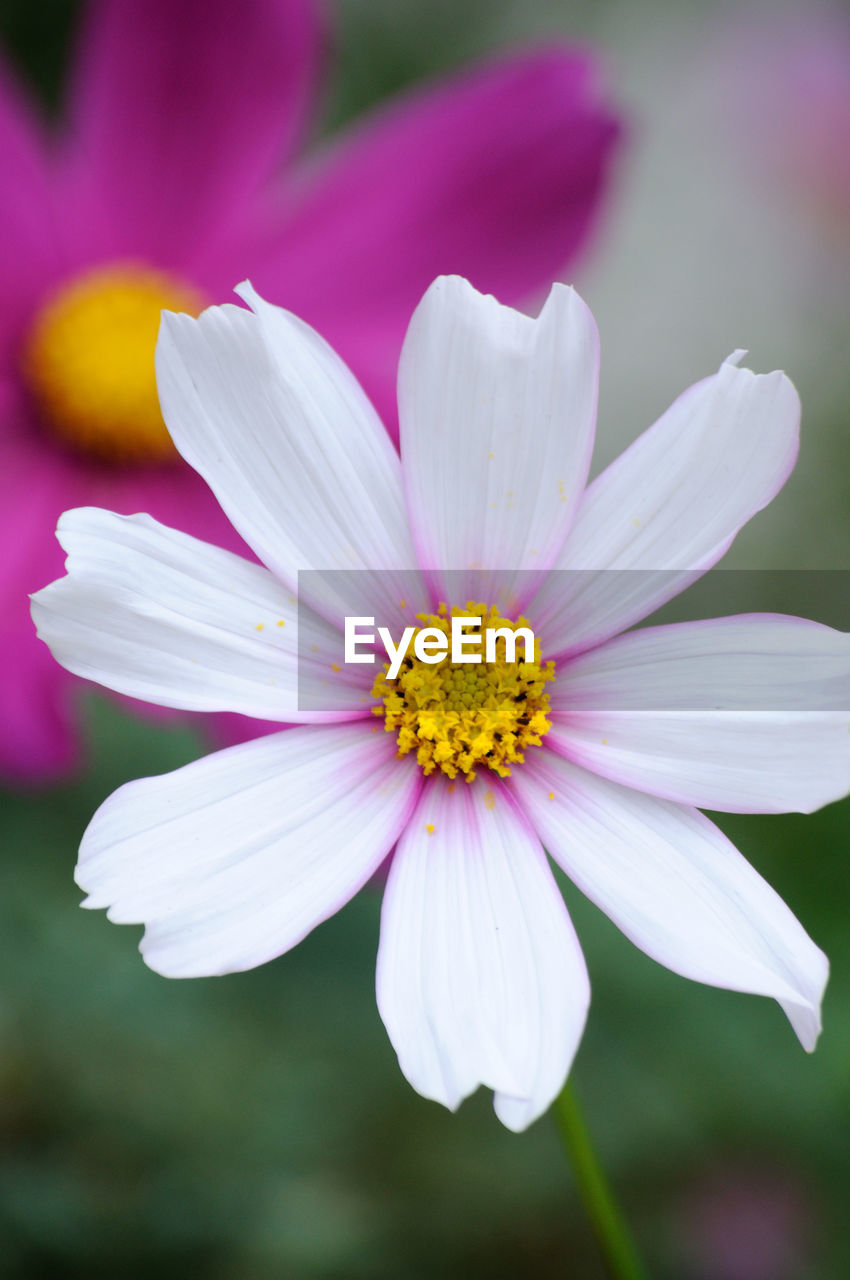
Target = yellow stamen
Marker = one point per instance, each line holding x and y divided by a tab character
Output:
461	717
88	361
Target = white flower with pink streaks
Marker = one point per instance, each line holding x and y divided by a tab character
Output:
231	860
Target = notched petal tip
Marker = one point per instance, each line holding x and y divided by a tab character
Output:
450	290
516	1113
804	1013
42	610
166	966
172	326
806	1023
456	288
246	291
37	599
169	320
731	368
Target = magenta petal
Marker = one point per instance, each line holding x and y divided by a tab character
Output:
38	742
38	481
27	239
495	175
36	733
179	110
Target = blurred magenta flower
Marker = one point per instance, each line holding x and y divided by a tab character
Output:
169	182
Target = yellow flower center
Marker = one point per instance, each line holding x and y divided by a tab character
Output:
459	717
88	361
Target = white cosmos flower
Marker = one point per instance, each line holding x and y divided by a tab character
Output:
231	860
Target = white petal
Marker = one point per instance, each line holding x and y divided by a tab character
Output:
676	886
158	615
748	714
231	860
497	415
669	507
285	437
480	975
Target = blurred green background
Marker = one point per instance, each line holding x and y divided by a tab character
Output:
257	1126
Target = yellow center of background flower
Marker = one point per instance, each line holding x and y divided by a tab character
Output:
458	717
89	361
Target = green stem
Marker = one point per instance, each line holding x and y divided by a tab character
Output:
608	1223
